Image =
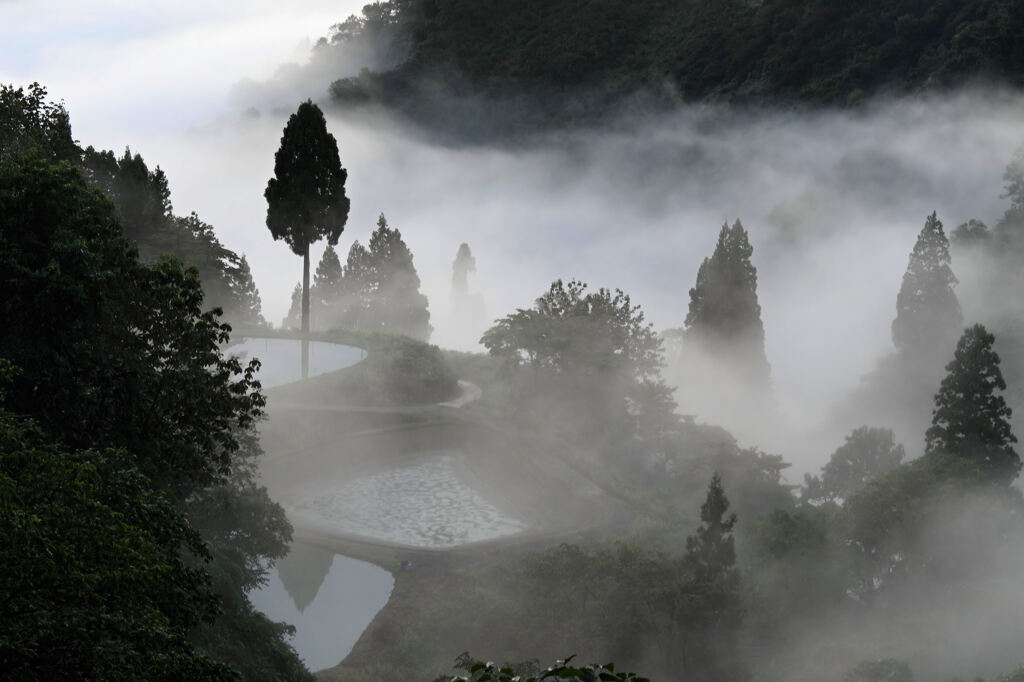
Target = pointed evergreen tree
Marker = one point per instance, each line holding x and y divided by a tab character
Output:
248	308
927	311
970	419
710	552
356	287
464	264
724	315
711	611
306	197
326	290
398	306
294	317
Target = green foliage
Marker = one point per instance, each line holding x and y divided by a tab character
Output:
570	330
115	353
31	125
927	310
102	577
119	353
548	63
711	611
868	452
971	420
970	234
724	316
580	362
378	291
306	197
397	371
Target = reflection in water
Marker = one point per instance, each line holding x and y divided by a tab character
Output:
303	571
282	358
329	598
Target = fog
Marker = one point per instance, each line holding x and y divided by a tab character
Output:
833	202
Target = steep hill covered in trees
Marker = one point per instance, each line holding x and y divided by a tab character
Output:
574	60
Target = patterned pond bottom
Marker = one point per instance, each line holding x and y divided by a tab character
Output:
422	505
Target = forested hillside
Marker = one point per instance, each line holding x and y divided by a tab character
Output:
572	60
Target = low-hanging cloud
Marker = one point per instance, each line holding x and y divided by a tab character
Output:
833	201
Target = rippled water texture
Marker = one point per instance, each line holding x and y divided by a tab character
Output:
421	505
282	358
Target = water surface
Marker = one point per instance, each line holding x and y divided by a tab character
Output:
329	598
282	358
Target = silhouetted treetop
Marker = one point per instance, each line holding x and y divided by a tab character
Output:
971	420
927	310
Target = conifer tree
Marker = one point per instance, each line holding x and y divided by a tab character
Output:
327	290
306	197
248	308
294	317
398	306
711	611
356	287
970	419
710	551
464	264
927	311
724	314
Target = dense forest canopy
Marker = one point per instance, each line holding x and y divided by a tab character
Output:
575	60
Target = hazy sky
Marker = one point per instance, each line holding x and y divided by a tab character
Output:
126	68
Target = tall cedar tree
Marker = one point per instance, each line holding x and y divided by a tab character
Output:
927	311
463	265
970	420
724	315
306	197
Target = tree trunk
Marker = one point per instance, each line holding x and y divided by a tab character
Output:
305	312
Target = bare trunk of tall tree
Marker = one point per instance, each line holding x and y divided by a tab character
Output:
305	312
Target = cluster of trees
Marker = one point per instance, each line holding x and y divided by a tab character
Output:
133	521
555	62
377	290
141	196
863	532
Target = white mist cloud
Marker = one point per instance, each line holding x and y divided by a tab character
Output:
832	200
833	203
127	69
